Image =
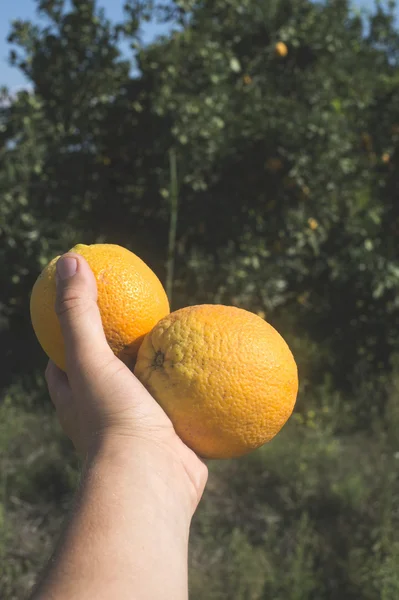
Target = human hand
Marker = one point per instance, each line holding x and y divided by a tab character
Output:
99	402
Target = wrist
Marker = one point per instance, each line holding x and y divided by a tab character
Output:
151	467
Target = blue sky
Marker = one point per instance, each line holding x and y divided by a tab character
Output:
25	9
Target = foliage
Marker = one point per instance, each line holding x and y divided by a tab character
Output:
286	168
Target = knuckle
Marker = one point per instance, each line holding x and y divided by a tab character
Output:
47	374
73	303
49	379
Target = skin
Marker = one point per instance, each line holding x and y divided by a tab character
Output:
127	535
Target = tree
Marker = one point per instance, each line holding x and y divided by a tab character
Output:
287	175
307	238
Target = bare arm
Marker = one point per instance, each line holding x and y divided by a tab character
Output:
127	535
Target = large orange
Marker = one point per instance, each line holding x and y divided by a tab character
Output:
130	297
225	377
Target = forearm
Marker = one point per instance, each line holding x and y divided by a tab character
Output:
128	534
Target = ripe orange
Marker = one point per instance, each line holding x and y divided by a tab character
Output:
130	297
281	49
225	377
367	141
274	164
313	224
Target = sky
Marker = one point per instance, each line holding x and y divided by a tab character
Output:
25	9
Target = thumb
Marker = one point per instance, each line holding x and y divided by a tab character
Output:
85	343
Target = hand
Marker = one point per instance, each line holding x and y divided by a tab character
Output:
99	402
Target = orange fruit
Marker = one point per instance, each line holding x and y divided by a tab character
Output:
225	377
281	49
367	141
131	300
274	164
386	157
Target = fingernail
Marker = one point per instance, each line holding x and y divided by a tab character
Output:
66	267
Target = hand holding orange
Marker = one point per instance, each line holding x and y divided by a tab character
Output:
131	300
226	378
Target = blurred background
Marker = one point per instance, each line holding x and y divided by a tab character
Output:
268	130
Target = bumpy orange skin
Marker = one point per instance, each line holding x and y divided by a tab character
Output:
225	377
131	300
